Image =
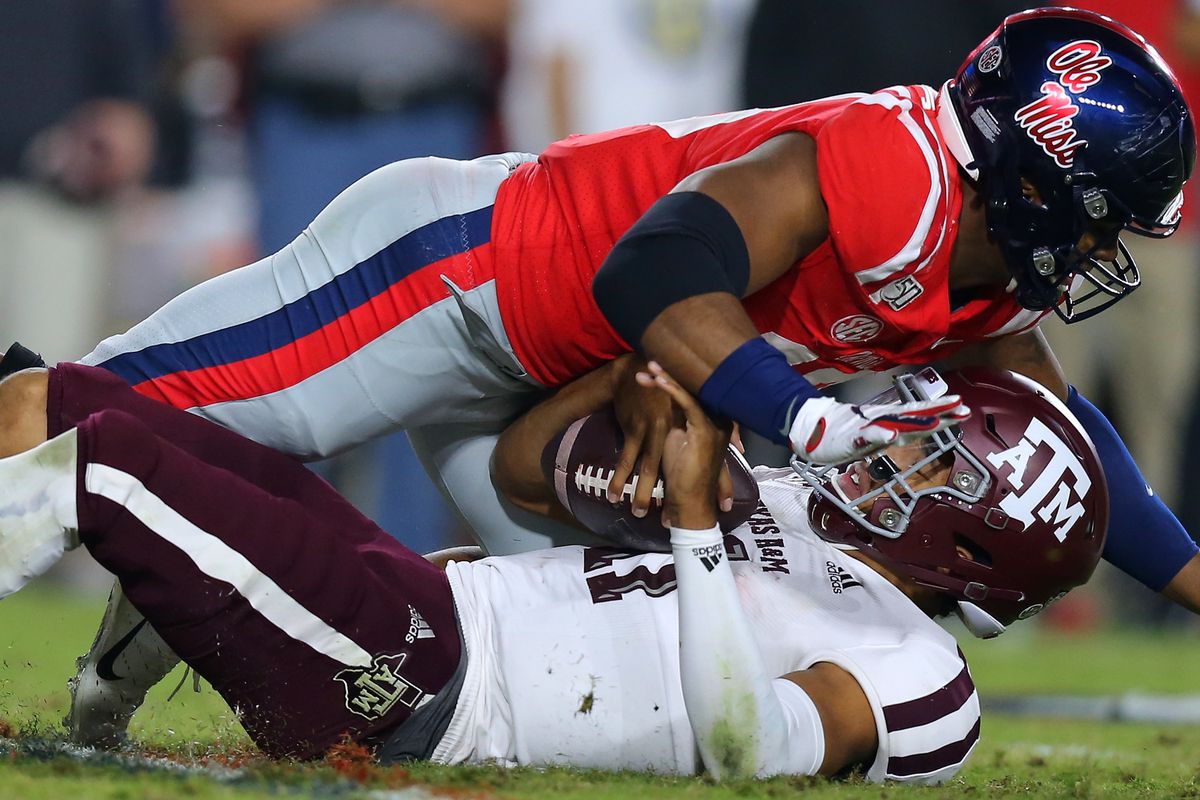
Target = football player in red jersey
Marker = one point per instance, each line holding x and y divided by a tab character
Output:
759	255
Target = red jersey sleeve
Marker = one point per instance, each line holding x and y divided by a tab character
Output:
883	176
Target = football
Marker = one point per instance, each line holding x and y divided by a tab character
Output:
580	463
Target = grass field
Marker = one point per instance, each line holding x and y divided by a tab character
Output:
198	751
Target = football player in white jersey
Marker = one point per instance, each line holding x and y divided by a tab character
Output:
801	643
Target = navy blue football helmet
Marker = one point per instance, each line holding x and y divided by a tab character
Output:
1088	114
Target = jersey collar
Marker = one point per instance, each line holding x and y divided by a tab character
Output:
952	133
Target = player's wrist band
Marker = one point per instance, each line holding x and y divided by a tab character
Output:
1145	539
686	244
756	386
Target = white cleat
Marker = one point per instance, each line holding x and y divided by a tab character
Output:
38	517
111	680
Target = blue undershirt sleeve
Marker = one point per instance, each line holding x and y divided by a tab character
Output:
1145	539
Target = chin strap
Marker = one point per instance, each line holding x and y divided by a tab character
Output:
979	622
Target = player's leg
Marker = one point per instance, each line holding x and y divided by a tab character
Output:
459	457
101	706
296	351
312	624
350	331
73	392
128	656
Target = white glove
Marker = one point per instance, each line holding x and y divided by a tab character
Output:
828	432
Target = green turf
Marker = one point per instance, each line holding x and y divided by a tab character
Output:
1029	660
1025	758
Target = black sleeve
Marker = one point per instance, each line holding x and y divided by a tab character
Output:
686	244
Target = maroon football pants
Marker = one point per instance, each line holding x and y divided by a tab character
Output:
309	620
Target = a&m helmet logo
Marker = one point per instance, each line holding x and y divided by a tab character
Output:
1055	495
856	328
1048	119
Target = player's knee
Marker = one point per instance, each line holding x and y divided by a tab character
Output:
23	411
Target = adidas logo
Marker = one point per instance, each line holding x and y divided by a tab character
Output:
840	579
418	628
710	556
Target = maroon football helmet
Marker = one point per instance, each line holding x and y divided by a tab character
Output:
1018	520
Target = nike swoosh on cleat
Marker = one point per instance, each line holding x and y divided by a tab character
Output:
104	667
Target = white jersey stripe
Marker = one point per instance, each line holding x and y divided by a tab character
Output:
944	173
937	765
678	128
912	249
1021	321
795	352
220	561
877	295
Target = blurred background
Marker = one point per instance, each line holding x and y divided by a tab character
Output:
146	145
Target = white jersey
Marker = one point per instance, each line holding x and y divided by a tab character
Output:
573	653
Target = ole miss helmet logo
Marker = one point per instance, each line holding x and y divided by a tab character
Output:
1078	64
1048	120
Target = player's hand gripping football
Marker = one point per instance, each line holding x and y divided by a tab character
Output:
693	456
826	431
645	415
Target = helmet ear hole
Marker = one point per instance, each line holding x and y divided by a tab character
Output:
972	551
1031	193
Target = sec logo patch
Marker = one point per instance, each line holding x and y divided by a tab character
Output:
990	59
856	328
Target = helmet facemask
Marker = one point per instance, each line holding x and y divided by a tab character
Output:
1048	269
887	508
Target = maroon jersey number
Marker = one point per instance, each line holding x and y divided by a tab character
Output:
607	586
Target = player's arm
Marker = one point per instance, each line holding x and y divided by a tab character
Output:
672	287
516	462
466	553
1027	354
816	721
1145	539
1184	588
